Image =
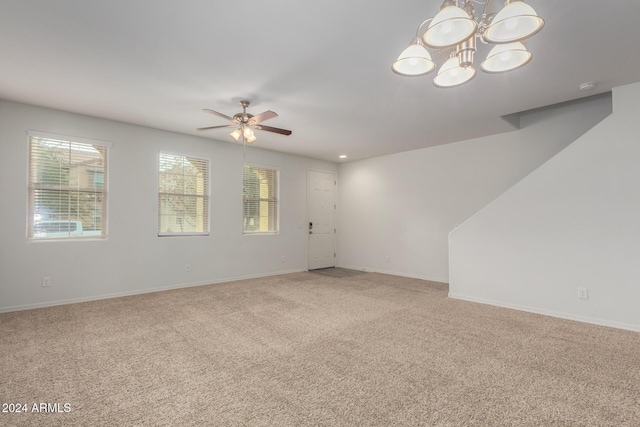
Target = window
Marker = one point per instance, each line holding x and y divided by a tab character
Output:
183	195
64	200
260	200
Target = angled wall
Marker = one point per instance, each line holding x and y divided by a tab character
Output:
573	223
395	212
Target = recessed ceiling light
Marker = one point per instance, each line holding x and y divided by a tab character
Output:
343	156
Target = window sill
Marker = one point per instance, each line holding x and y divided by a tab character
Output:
261	233
182	234
66	239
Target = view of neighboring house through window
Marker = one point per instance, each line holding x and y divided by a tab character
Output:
183	195
67	187
260	200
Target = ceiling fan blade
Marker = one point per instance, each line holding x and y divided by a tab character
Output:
216	127
264	116
272	129
224	116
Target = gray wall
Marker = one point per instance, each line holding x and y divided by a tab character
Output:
133	259
573	223
403	206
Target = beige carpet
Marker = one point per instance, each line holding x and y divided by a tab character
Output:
305	349
337	272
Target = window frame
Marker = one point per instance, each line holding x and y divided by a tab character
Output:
32	186
207	197
277	201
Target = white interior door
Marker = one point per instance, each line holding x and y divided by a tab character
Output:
321	192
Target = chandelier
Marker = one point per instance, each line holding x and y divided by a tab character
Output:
455	28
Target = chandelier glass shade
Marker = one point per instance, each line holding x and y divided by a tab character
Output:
414	60
449	27
456	28
516	21
452	74
506	57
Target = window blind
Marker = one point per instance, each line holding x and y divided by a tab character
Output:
183	197
260	200
67	187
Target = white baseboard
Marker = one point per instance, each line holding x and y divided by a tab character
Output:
140	291
395	273
552	313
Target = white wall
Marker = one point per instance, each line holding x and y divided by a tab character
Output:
404	205
574	222
133	259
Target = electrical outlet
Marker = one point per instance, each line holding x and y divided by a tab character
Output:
387	258
583	293
282	258
187	267
46	282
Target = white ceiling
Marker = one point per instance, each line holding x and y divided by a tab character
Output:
324	67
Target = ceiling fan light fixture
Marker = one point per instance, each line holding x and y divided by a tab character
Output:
450	27
415	60
506	57
247	132
245	123
452	74
236	134
516	21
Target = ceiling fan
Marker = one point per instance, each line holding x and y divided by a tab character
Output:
245	123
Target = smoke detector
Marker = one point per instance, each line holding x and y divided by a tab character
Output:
587	87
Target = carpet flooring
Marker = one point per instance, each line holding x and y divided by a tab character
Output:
337	272
305	349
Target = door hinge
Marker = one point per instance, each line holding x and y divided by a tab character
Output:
334	231
334	254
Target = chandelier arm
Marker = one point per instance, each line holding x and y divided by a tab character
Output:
484	21
420	26
483	25
484	8
484	18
